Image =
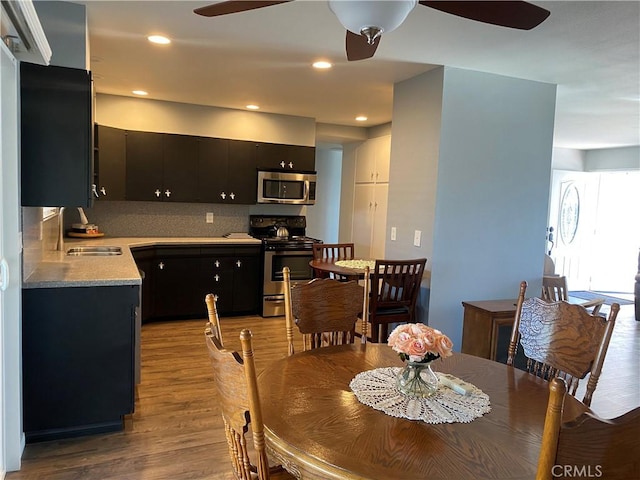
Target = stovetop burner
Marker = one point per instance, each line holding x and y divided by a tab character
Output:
265	228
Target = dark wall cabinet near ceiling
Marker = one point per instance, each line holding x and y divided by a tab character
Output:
56	136
152	166
286	157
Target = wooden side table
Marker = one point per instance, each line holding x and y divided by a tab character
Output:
487	324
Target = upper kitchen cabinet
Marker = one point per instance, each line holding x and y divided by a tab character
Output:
161	167
372	160
271	156
226	171
56	136
110	163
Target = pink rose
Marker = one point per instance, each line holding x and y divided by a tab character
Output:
444	346
417	349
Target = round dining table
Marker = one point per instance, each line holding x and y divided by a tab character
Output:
328	265
317	428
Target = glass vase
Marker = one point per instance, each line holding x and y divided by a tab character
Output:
417	380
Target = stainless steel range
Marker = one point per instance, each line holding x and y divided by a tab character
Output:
284	244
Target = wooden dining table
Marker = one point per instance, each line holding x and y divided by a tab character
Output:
328	265
317	428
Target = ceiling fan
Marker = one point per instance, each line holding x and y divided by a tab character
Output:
366	20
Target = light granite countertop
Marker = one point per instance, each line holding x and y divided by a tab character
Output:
57	269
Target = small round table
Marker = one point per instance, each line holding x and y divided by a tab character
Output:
328	265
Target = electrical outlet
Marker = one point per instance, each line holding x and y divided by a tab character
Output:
417	237
209	217
393	234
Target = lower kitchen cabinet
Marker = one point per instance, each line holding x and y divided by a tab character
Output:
78	360
177	278
233	274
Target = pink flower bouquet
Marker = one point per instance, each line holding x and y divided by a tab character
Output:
416	342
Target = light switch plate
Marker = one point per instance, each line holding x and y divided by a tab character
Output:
393	234
209	217
417	237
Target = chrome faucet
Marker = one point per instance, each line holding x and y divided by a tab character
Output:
60	244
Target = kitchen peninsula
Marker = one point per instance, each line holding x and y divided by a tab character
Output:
81	328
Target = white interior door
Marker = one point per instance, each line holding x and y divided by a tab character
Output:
363	203
379	232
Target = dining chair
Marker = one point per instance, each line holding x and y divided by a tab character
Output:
554	289
211	301
589	446
560	339
394	291
337	251
325	310
239	402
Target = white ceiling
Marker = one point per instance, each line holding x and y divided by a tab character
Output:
589	49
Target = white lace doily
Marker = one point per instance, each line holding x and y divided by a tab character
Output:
377	389
356	263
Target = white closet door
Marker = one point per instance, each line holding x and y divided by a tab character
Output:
363	209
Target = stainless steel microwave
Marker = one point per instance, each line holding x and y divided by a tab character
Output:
297	188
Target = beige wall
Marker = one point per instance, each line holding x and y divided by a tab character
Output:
170	117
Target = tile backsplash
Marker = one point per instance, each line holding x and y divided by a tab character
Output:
152	219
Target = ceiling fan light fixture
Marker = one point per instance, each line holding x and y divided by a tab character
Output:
371	18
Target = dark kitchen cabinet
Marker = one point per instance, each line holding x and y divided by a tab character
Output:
178	277
144	166
56	136
110	163
175	276
233	274
161	167
227	171
180	168
287	157
78	360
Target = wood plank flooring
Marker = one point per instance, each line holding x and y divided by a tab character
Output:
176	432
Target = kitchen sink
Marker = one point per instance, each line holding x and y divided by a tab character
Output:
94	251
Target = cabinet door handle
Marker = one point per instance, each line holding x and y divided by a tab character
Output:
157	192
103	191
216	277
161	266
223	195
232	196
238	263
290	164
282	164
167	193
217	263
94	190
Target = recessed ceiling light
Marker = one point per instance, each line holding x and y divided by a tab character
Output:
253	107
140	92
159	39
361	118
322	65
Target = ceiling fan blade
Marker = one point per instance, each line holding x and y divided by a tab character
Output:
358	47
512	14
234	6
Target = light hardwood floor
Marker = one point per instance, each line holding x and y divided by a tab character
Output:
176	432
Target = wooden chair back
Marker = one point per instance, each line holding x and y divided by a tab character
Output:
325	310
338	251
394	291
561	339
239	402
212	312
554	289
589	447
